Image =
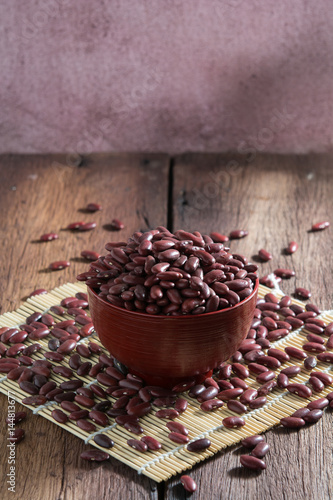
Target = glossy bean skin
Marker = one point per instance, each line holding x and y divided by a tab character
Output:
236	406
252	463
292	422
198	445
178	438
188	483
177	427
233	422
252	441
95	455
260	450
152	443
300	389
138	445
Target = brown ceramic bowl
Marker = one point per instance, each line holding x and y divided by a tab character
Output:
165	350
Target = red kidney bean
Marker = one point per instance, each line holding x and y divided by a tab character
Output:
292	422
137	445
324	377
282	380
316	384
152	443
240	370
93	207
207	394
313	416
280	355
230	394
237	234
238	382
177	427
78	414
258	402
310	363
300	389
16	436
133	427
16	418
95	455
329	329
329	343
59	416
326	357
260	450
265	255
314	347
198	445
248	396
269	362
225	371
312	337
257	368
252	441
36	400
218	237
302	293
284	273
211	404
278	334
300	413
252	463
103	440
291	371
67	347
177	437
7	367
266	388
295	352
236	406
99	418
63	396
265	377
87	226
188	483
64	371
168	414
181	405
28	387
292	247
318	404
139	410
59	264
15	373
319	226
117	225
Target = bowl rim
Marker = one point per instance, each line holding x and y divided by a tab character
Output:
180	316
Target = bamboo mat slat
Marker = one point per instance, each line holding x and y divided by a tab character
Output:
171	459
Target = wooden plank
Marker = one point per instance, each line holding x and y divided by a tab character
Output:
276	198
41	194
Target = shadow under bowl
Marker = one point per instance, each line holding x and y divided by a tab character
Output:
166	350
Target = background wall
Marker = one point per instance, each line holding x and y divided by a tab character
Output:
166	75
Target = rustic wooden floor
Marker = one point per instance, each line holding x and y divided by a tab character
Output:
276	198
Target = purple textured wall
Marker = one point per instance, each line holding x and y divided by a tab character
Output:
166	75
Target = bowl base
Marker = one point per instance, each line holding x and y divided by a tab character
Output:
170	382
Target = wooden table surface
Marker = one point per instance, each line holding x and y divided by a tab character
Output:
276	198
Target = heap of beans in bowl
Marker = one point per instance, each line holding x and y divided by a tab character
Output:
164	273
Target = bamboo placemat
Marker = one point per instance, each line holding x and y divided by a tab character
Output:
171	459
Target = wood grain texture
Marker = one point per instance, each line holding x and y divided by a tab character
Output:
41	194
276	199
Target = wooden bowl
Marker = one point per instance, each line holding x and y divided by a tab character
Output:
166	350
